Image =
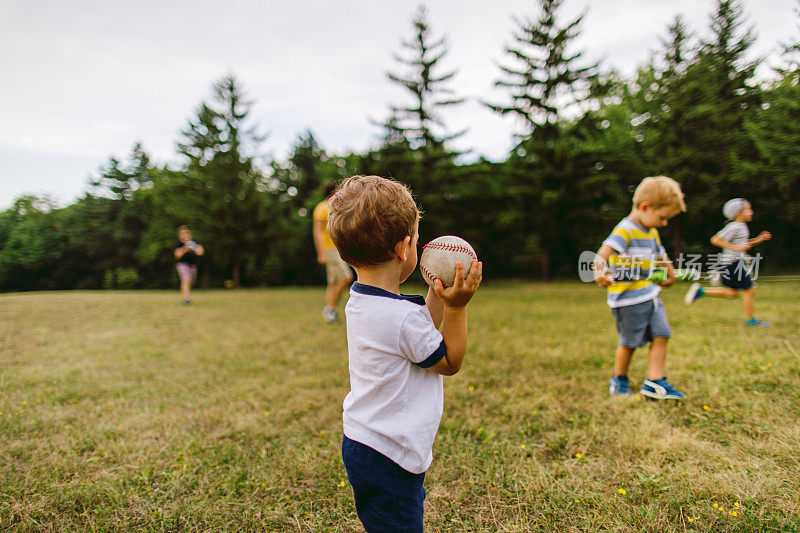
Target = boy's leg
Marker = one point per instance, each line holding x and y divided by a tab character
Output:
656	385
659	332
387	497
330	295
186	289
336	291
656	358
748	299
721	292
622	360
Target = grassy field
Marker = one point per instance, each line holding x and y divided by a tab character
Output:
125	410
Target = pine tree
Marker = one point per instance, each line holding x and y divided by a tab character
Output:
718	92
218	194
115	197
657	107
548	84
774	176
421	123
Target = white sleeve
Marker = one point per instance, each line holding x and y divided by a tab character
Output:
420	341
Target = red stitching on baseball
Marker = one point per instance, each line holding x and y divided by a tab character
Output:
426	272
451	248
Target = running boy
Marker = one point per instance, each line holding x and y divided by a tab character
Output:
735	241
632	250
397	356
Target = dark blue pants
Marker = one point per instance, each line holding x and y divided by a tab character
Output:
388	497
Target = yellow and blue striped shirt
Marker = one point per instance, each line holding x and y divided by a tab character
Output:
637	249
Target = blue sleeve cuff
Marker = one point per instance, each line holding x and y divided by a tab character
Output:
434	358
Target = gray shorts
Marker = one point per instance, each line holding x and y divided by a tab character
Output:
640	323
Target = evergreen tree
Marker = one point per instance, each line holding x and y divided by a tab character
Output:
115	196
420	123
218	195
718	93
548	83
657	108
774	176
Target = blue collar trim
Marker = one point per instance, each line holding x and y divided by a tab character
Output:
370	290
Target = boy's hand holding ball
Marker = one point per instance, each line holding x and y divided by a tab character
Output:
442	265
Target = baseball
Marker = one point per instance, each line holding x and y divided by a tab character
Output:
439	258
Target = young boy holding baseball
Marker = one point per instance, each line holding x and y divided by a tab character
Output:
397	355
623	265
735	241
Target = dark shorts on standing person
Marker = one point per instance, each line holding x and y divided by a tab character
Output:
640	323
736	276
388	497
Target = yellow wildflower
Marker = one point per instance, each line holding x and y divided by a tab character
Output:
706	408
622	491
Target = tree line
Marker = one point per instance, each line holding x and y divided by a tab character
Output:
586	136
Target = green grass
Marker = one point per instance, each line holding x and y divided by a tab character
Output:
125	410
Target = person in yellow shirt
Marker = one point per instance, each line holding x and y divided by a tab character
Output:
338	272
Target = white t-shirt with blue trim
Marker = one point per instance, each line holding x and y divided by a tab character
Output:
394	405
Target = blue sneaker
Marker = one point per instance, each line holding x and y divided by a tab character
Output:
693	294
660	389
619	386
757	322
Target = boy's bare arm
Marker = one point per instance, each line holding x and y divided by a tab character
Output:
602	274
454	316
435	307
721	243
318	225
665	262
763	236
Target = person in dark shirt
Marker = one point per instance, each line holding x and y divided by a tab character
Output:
186	252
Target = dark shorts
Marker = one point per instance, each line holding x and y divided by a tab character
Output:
640	323
736	276
388	497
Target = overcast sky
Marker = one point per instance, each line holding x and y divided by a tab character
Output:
85	79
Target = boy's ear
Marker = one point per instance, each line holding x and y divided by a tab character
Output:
401	248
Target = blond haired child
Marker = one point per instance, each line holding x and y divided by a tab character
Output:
397	356
624	262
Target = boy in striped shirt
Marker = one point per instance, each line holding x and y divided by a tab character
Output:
623	265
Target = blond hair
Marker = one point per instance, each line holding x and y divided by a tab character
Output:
368	216
659	191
